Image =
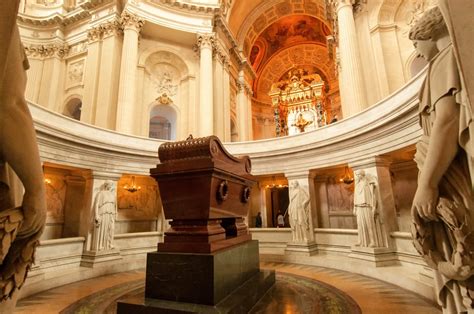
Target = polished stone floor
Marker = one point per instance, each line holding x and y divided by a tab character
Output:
299	289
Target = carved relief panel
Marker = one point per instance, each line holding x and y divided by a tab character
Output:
75	73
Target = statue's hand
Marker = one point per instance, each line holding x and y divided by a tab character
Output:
34	211
424	203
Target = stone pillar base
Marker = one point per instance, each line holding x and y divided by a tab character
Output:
93	258
378	256
304	249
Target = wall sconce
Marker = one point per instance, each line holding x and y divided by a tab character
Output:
132	188
47	181
347	179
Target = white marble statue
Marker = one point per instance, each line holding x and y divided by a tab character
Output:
442	210
20	227
365	208
105	212
298	212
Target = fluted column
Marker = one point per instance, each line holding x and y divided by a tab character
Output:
128	66
353	94
206	103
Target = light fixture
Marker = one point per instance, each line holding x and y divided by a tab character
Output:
132	188
347	179
47	181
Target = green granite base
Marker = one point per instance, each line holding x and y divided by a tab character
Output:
200	278
241	300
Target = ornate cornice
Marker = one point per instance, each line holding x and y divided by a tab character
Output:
176	4
130	20
45	51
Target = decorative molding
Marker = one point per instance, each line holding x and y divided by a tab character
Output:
45	51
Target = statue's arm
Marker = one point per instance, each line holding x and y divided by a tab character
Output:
442	148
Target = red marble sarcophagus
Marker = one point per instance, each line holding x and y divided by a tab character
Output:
205	191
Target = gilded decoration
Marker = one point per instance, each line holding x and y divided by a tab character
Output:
299	102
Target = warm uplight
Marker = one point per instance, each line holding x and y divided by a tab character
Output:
347	179
132	188
47	181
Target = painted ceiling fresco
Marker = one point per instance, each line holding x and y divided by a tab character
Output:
286	32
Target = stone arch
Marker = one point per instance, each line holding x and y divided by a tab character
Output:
415	64
164	55
72	107
303	54
168	112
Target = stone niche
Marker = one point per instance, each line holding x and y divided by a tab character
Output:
65	197
141	210
335	199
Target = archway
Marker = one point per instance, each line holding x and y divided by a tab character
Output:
73	108
162	123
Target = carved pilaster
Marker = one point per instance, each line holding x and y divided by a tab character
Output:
129	20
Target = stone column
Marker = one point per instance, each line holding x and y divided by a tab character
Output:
109	71
377	170
249	114
132	25
218	76
244	103
301	212
351	81
95	184
227	135
91	75
205	44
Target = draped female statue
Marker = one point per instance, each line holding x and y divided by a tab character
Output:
443	204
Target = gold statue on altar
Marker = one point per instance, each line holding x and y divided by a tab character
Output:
299	102
301	123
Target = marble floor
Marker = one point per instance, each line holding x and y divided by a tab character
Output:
298	289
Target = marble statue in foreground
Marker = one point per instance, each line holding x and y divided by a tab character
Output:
365	208
105	211
443	205
298	211
20	226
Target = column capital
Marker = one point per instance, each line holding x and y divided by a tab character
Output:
205	40
94	34
131	21
111	28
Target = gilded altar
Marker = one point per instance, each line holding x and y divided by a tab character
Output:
299	103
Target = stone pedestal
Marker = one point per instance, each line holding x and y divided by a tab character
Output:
93	258
377	256
226	281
